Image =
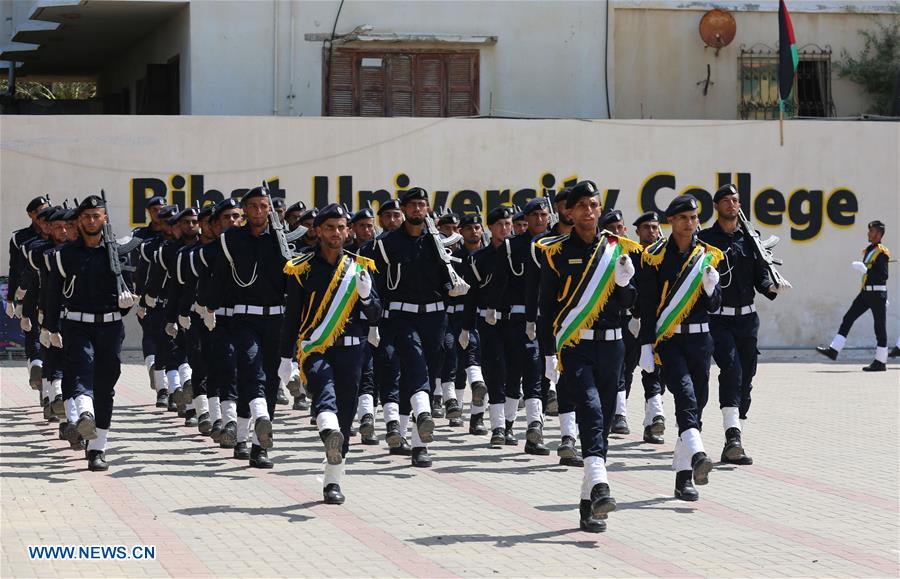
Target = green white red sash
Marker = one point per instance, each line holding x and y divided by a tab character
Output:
679	299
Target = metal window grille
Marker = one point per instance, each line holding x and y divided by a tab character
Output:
758	83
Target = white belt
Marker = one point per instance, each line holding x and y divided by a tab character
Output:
258	310
227	312
500	315
602	335
92	318
351	341
517	309
726	311
418	308
875	288
691	328
453	309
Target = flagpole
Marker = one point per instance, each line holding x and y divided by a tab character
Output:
781	123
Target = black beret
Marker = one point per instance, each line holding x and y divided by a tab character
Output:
71	214
46	212
519	215
648	216
224	205
414	193
154	201
59	214
536	204
186	212
498	213
330	211
255	192
448	219
389	205
877	225
298	206
168	211
609	217
36	202
91	202
562	195
581	189
362	214
724	191
470	219
278	203
206	210
309	214
681	204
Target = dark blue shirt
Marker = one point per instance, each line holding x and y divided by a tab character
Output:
81	281
742	275
252	275
409	268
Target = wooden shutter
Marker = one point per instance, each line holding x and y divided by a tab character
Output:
371	85
429	85
462	95
400	73
340	84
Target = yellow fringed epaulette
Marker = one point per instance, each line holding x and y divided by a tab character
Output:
363	262
716	253
298	265
884	250
628	245
551	245
654	253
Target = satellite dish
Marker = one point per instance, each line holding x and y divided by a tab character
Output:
717	29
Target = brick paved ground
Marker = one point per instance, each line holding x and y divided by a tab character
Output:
821	500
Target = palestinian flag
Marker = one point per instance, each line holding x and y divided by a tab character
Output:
787	55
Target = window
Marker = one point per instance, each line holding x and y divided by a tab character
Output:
369	83
758	79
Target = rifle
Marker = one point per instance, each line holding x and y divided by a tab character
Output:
115	250
763	251
485	232
554	216
443	252
277	227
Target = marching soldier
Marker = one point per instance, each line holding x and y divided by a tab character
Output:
292	215
872	296
679	288
147	232
328	288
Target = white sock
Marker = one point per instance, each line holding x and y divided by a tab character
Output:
159	379
37	362
84	403
55	388
476	409
567	424
229	411
448	391
201	403
404	423
534	411
594	473
653	407
215	411
99	443
511	410
420	403
333	473
184	372
365	405
621	403
681	458
473	374
730	418
243	429
149	361
45	388
71	410
258	409
552	386
692	440
173	380
838	342
436	389
391	411
881	354
497	416
743	425
327	421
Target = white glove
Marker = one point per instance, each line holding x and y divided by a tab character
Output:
44	338
531	330
464	339
490	316
710	280
859	266
624	271
20	294
18	313
10	309
284	370
126	300
40	317
647	363
56	340
184	322
459	289
374	337
171	330
141	312
363	285
25	324
551	368
150	301
210	321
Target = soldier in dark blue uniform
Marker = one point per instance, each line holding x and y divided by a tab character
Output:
735	326
679	287
292	215
249	270
329	334
147	232
584	289
89	330
872	296
413	282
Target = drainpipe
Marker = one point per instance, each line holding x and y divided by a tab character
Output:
291	65
275	57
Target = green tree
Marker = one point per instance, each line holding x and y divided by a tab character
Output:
57	90
877	67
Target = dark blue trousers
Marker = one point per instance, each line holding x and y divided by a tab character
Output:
332	379
523	360
32	340
417	339
197	341
148	343
222	377
257	355
92	363
367	376
649	380
875	301
592	370
53	363
685	371
386	367
734	351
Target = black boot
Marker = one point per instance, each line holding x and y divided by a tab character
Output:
259	457
35	377
425	426
651	438
497	438
216	433
187	391
333	441
97	460
552	404
367	426
172	407
534	439
587	521
333	495
393	436
476	424
478	392
572	461
63	426
240	451
733	453
162	398
86	426
263	429
190	418
453	411
620	425
895	352
228	438
828	352
566	447
204	424
420	457
875	366
508	435
455	422
282	397
302	403
45	405
701	465
601	502
58	406
684	488
437	406
402	449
